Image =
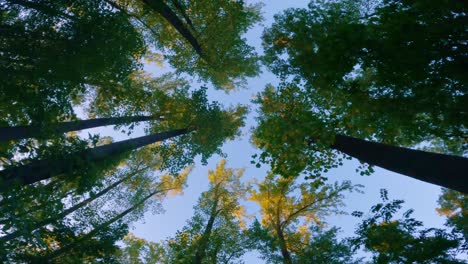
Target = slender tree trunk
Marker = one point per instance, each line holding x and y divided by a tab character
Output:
284	249
20	132
204	240
165	11
440	169
45	169
69	210
96	231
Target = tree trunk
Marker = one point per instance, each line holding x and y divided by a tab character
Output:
69	210
45	169
165	11
284	249
440	169
20	132
201	248
95	231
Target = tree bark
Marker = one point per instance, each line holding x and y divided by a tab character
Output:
21	132
45	169
69	210
201	248
440	169
284	249
165	11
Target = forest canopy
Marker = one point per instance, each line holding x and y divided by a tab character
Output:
382	82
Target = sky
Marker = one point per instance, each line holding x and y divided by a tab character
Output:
418	195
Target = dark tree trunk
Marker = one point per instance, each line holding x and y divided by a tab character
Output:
98	229
45	169
440	169
204	240
283	247
20	132
165	11
69	210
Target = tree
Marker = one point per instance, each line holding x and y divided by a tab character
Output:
45	169
347	71
21	132
213	234
288	115
202	37
402	240
370	61
54	52
287	209
133	173
211	125
80	227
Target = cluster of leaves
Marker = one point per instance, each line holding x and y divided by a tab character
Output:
454	205
217	51
293	137
403	240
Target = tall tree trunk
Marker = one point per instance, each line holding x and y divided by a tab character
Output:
204	240
284	249
98	229
440	169
45	169
20	132
69	210
165	11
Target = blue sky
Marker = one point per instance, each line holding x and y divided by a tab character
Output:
418	195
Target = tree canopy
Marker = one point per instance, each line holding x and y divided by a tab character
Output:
382	81
385	71
368	63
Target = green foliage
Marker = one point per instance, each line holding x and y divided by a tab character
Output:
353	68
454	205
293	134
218	25
47	218
325	248
403	240
293	219
360	59
215	231
55	51
210	126
226	60
137	250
